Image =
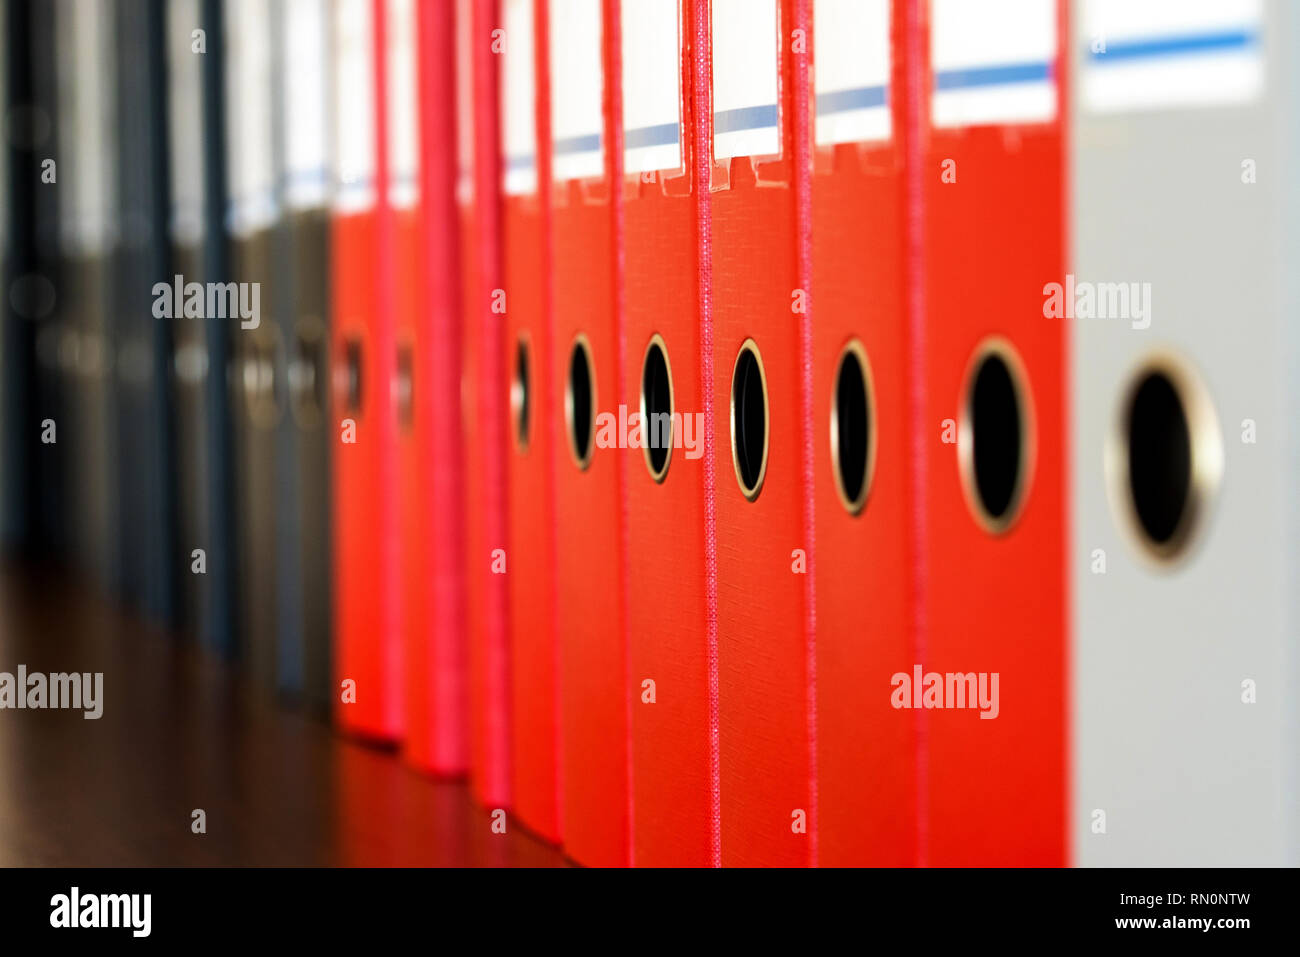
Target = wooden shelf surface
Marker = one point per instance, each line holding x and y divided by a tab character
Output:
182	730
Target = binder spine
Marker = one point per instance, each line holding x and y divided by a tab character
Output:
50	459
401	252
14	216
590	475
671	623
218	624
864	749
301	39
438	395
1182	567
549	406
301	113
189	356
992	535
763	637
526	249
485	422
307	656
366	614
85	118
143	426
385	419
255	377
290	599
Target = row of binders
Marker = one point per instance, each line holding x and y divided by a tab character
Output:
737	432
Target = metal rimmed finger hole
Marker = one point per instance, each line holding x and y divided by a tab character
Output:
520	394
995	435
853	427
349	375
657	408
749	420
1165	457
580	402
261	386
306	375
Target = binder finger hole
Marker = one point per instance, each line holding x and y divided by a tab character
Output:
279	390
404	387
1169	456
995	436
261	387
350	375
255	375
657	408
749	419
580	402
306	378
520	398
853	428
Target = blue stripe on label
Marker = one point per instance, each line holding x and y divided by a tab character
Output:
578	144
665	134
846	101
1149	48
1004	75
745	118
516	163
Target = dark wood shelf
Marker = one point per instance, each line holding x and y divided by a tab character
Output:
182	730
